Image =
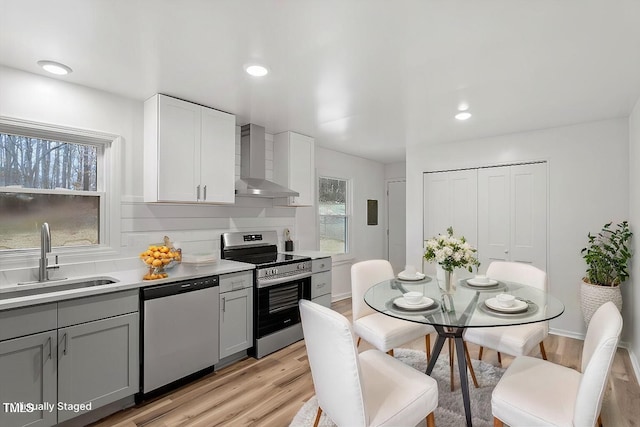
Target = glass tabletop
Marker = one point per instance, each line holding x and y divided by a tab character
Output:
466	307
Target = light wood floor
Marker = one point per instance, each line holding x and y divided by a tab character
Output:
270	391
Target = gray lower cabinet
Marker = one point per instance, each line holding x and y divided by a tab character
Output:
97	362
236	313
28	376
321	281
74	352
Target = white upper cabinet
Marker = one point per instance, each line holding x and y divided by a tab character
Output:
294	166
189	152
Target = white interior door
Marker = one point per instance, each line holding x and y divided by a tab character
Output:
396	233
512	214
493	215
528	240
450	200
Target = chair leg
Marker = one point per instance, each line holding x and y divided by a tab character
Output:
318	414
431	420
358	343
480	353
451	345
500	359
473	374
544	353
390	352
497	422
427	344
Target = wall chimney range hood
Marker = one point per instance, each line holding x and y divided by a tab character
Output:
252	180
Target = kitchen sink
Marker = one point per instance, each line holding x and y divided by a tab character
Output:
56	286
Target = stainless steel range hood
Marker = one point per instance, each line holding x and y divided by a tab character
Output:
252	180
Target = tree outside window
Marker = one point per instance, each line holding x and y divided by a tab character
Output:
43	180
333	209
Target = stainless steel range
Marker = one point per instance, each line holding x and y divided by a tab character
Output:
281	280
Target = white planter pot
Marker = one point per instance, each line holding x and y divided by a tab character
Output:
593	296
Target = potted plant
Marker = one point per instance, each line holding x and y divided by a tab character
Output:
607	256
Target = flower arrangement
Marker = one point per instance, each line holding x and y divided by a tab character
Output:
451	252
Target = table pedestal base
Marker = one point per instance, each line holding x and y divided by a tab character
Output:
456	334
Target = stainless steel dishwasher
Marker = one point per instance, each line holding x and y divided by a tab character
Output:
179	331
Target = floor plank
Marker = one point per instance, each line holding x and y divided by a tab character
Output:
270	391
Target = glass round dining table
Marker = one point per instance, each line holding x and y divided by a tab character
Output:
465	306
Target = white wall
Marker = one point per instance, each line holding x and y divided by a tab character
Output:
588	186
396	170
631	293
367	241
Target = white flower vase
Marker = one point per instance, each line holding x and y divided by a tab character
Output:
445	280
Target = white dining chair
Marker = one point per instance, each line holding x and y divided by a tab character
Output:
366	389
382	331
517	340
535	392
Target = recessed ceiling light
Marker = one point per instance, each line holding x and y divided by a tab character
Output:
463	106
55	67
256	70
463	115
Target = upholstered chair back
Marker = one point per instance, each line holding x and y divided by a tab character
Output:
597	357
518	272
335	368
365	274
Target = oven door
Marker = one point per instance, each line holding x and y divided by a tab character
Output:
277	305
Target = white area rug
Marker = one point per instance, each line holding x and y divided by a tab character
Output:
450	411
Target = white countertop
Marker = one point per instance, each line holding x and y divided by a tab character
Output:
311	254
129	279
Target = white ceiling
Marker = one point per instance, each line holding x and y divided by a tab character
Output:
365	77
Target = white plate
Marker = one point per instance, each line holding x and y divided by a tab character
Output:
402	303
418	276
474	282
518	306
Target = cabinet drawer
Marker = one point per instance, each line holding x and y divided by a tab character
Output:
28	320
234	281
75	311
320	284
322	264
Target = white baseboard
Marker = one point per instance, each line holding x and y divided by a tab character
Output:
565	333
339	297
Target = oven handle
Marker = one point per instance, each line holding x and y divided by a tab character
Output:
265	283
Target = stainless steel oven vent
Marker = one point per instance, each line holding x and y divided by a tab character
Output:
252	180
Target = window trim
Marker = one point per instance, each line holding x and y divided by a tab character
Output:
108	186
348	254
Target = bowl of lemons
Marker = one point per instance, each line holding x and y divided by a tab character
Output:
159	259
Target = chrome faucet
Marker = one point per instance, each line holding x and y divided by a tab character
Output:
45	248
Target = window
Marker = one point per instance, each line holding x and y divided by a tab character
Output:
334	215
54	177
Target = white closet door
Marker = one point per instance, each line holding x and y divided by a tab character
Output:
512	214
450	200
493	215
528	241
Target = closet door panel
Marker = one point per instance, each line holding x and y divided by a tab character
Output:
493	215
528	214
451	200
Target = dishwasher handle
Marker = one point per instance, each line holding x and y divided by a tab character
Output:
168	289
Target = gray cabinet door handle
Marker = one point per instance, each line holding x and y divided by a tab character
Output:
64	349
205	192
49	342
224	304
198	193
